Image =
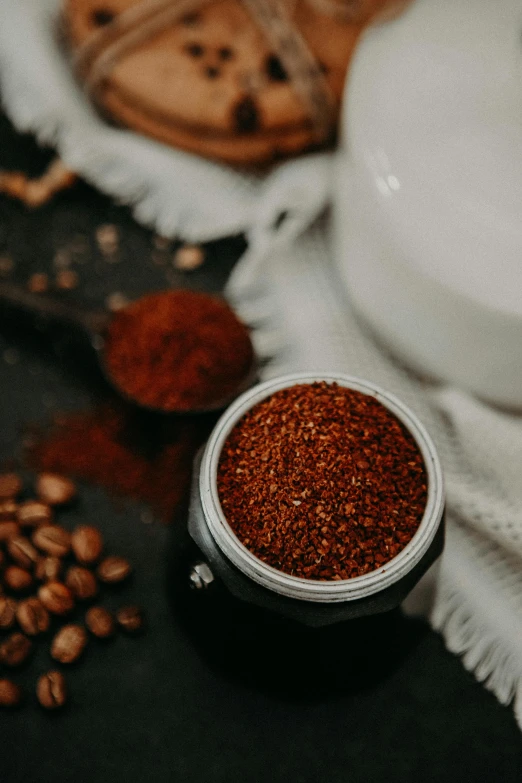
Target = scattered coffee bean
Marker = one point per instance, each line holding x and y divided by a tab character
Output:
38	283
54	489
81	582
33	618
10	694
51	690
100	622
52	539
8	530
6	265
87	544
56	597
33	513
69	643
10	485
22	551
8	510
21	560
48	569
17	579
116	301
15	650
189	257
130	619
7	612
160	242
114	569
107	238
66	279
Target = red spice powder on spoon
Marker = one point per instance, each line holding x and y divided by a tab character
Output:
178	351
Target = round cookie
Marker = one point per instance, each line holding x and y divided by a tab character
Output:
212	84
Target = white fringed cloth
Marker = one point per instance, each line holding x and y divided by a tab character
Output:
287	286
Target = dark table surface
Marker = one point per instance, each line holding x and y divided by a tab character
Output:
154	707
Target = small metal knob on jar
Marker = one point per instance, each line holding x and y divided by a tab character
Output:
200	576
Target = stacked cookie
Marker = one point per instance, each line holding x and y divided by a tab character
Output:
243	81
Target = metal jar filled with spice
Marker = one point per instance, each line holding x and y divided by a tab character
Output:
317	498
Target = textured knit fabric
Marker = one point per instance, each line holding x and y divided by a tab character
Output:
287	287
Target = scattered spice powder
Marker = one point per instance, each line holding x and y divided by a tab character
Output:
114	447
178	351
322	482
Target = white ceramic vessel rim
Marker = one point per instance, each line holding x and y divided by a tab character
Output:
309	589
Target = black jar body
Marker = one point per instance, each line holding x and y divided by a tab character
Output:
263	648
279	632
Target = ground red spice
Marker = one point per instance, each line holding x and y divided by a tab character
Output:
178	351
322	482
114	447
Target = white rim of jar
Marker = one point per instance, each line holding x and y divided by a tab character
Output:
310	589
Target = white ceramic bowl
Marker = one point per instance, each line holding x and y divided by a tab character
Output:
428	209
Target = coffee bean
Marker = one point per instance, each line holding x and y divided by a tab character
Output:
10	694
246	116
22	551
8	530
81	582
17	579
52	539
54	489
69	643
33	513
2	558
8	510
87	544
56	597
100	622
48	569
114	569
33	618
38	283
15	650
10	485
51	690
130	619
7	612
66	279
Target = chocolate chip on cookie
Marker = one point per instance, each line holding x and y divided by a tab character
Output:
225	53
102	16
191	20
195	49
246	116
275	69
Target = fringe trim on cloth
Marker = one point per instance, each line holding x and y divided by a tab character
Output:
476	609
